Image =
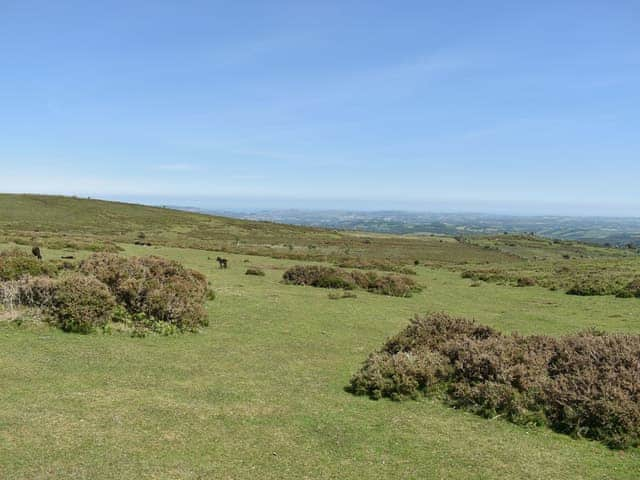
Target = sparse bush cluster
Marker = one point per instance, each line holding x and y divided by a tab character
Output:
574	281
150	293
330	277
585	385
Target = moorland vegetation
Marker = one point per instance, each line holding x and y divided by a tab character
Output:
585	384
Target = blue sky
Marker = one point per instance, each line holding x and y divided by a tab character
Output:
521	107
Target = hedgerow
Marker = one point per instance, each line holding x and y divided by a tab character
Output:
585	385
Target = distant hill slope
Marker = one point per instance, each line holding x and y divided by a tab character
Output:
44	218
83	215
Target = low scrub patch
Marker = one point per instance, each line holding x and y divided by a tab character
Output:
330	277
382	265
258	272
151	294
341	295
585	385
594	286
16	263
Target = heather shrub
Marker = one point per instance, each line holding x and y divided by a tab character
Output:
585	385
16	263
383	265
28	291
404	374
594	388
593	286
81	303
631	290
329	277
394	285
161	289
255	271
526	282
319	276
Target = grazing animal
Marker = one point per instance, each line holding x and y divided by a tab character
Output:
222	262
36	252
67	257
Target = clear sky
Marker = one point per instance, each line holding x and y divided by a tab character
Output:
511	106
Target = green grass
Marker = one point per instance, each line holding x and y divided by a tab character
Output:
259	393
55	221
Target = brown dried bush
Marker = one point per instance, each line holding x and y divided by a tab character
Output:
586	385
161	289
319	276
329	277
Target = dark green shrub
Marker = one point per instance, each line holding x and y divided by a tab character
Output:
394	285
585	385
16	263
255	271
328	277
319	276
593	286
81	303
161	289
526	282
404	374
631	290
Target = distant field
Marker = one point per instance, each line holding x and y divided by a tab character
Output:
260	392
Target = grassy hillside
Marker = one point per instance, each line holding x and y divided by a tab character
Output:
260	392
46	219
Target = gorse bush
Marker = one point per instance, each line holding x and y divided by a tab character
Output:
16	263
585	385
594	388
329	277
255	271
157	294
81	303
631	290
526	282
319	276
161	289
593	286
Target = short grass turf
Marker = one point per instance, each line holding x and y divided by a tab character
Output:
260	392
